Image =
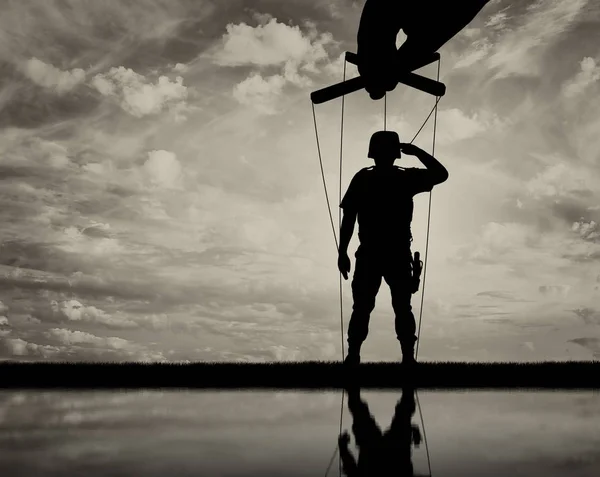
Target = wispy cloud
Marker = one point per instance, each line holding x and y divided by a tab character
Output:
540	26
455	125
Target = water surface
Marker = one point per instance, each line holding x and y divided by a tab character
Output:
200	433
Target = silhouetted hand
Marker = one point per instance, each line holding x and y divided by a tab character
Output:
344	439
416	435
344	264
409	149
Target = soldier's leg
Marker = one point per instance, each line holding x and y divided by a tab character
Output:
399	276
404	322
404	411
365	285
364	427
399	435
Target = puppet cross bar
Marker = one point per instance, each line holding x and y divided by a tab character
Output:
407	78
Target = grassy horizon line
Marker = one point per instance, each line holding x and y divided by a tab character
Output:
299	375
295	363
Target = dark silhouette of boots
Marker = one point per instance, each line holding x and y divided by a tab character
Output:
352	358
408	352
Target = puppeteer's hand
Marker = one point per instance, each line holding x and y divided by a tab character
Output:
409	149
344	264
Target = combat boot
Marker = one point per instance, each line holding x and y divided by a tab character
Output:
353	356
408	351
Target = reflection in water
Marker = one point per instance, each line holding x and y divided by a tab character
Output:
381	453
248	434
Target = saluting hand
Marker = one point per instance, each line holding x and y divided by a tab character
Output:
409	149
344	264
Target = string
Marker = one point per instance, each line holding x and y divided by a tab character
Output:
337	248
340	275
323	176
424	433
385	112
428	219
340	212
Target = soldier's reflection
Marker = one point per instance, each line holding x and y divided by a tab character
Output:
380	453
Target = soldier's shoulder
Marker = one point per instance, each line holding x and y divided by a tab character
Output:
364	171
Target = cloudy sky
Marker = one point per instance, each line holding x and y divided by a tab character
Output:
161	197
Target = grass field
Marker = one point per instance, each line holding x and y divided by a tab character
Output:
300	375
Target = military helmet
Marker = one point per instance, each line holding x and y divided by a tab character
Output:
384	141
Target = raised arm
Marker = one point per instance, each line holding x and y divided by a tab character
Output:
438	172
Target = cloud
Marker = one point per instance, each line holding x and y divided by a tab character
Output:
478	51
589	74
17	347
50	77
588	231
560	180
455	125
73	310
270	44
68	337
555	290
163	169
293	51
260	93
501	295
181	68
3	321
335	68
590	316
23	321
139	97
74	240
498	239
497	20
68	345
542	25
591	344
536	250
469	32
529	345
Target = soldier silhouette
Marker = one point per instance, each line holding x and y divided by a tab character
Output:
388	453
381	198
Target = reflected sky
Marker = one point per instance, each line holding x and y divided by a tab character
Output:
195	433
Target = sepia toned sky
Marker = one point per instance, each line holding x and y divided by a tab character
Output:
161	197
